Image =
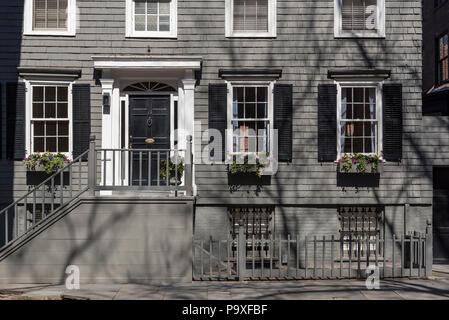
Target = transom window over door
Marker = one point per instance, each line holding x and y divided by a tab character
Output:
250	119
50	121
50	17
359	112
443	58
151	18
251	18
359	18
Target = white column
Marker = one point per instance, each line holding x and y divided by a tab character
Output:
107	137
189	105
188	85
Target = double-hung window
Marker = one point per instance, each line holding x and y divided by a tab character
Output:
443	59
50	17
151	18
251	18
359	119
251	118
359	18
50	121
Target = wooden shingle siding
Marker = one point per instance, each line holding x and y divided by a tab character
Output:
305	49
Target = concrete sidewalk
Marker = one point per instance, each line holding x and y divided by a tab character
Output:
437	288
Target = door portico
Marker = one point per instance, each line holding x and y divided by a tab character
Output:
120	75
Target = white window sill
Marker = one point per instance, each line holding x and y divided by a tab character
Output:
251	35
152	35
49	33
360	35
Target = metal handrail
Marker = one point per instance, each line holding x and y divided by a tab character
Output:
32	193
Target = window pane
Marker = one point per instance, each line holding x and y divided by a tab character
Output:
358	129
52	14
164	7
50	128
38	128
250	111
62	94
262	94
50	94
50	145
38	110
39	14
358	111
241	111
250	94
239	93
50	110
38	94
164	23
63	128
152	23
140	23
358	94
152	7
140	7
63	144
262	110
62	14
369	145
62	110
357	145
39	145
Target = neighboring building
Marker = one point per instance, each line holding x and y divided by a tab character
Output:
332	77
436	57
436	112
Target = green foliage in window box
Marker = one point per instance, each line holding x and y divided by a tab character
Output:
172	168
360	163
48	162
249	164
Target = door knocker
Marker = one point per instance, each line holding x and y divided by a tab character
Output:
149	120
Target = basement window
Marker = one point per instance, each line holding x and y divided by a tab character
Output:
360	224
257	221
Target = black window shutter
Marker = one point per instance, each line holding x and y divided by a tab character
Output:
81	119
392	122
218	94
327	122
15	127
283	120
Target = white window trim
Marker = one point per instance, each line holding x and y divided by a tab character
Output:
379	110
272	23
229	128
339	33
29	105
28	21
131	33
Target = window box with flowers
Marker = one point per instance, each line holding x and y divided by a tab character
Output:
360	163
46	162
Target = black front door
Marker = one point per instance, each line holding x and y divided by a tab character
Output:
149	128
441	215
